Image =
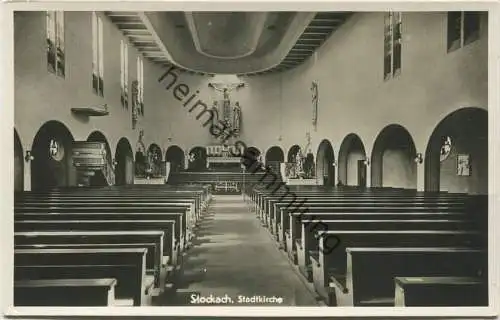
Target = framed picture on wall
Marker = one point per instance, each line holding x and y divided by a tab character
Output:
463	165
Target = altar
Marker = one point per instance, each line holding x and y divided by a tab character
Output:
223	157
301	170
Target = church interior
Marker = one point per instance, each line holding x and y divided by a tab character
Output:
330	159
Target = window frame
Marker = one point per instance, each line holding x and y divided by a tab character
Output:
462	40
393	40
55	40
97	55
124	73
140	86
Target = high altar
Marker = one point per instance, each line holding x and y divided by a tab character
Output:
222	154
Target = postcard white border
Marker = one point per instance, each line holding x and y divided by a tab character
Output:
6	161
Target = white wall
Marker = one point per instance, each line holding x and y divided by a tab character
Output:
353	97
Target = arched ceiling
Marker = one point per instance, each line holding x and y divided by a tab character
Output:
243	43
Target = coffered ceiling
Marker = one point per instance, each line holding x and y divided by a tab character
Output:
246	43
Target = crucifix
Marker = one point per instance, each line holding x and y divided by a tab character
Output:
226	89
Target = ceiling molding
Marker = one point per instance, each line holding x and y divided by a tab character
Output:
270	42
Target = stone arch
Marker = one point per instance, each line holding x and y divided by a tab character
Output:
175	155
325	159
292	152
393	159
98	136
124	162
351	163
467	129
274	158
52	164
199	161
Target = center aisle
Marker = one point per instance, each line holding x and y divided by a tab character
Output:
234	256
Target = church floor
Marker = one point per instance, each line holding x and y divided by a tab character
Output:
232	256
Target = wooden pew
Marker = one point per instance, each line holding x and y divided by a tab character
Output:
171	204
331	259
368	213
194	207
266	203
279	213
128	266
272	205
108	239
69	223
156	263
370	271
112	213
308	241
184	208
441	292
65	292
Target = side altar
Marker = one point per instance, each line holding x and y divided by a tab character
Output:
301	170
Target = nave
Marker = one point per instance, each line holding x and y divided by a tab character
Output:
341	175
233	255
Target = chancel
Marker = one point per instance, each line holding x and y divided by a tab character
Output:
328	159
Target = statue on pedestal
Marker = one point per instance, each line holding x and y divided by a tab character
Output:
237	117
299	168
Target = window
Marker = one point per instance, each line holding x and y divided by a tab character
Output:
98	56
140	80
55	42
463	28
124	73
392	44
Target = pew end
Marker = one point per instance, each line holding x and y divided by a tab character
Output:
65	292
440	292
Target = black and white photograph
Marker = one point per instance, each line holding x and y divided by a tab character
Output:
282	158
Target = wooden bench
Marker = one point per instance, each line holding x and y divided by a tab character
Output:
128	266
308	241
332	257
192	204
65	292
69	223
370	271
152	264
112	213
105	239
271	215
279	215
295	221
95	239
440	292
266	208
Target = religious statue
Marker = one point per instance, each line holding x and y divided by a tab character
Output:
140	147
215	110
299	169
141	156
314	92
135	103
445	148
53	148
237	118
191	157
149	165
